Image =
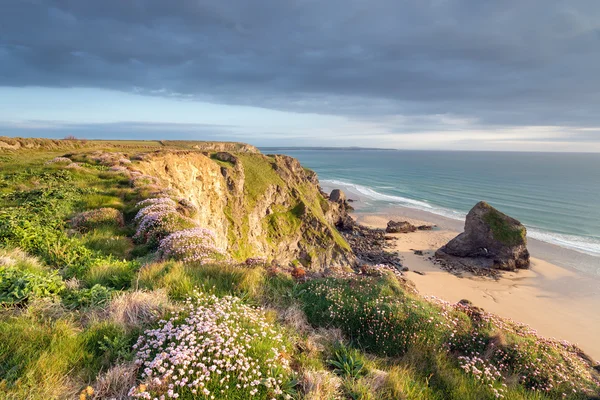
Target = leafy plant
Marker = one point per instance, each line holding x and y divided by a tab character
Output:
347	363
17	286
97	295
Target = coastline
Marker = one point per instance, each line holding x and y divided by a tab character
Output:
556	300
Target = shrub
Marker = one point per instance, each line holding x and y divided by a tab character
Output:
215	347
156	201
153	208
97	218
17	286
97	295
190	245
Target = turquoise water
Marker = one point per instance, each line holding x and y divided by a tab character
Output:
556	195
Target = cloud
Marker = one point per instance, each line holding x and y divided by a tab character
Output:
486	63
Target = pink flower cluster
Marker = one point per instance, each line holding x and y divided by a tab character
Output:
59	160
156	201
156	225
485	373
557	367
215	348
190	245
153	209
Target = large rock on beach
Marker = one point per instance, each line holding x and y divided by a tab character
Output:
400	227
491	240
337	196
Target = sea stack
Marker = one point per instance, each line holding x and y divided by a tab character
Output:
491	240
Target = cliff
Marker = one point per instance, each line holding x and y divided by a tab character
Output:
258	206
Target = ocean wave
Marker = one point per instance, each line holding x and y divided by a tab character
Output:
581	244
372	194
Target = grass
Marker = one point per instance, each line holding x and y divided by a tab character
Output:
76	302
504	232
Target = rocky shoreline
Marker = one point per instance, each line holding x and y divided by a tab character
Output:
371	245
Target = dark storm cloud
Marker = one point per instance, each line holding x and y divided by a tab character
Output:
512	62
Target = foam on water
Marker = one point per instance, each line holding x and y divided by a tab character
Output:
581	244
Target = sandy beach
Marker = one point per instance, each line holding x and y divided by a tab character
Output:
552	297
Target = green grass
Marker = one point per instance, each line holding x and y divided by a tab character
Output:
504	232
59	330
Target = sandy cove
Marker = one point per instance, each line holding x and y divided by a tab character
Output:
556	301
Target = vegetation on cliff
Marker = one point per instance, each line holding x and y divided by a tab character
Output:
92	311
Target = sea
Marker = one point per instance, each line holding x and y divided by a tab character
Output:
555	195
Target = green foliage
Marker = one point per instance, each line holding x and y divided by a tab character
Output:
259	175
95	296
108	243
107	343
502	230
181	280
17	286
111	273
347	362
37	357
373	313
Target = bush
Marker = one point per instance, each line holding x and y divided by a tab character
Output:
95	296
190	245
229	349
97	218
18	286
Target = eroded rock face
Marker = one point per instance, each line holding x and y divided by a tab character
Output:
491	240
258	206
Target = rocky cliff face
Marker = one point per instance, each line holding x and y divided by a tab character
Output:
258	206
491	239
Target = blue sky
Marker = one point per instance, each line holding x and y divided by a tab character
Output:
453	74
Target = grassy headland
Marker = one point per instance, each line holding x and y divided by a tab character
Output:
110	289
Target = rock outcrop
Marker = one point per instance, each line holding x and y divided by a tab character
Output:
491	240
259	206
400	227
337	196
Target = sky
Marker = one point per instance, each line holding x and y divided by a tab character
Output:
518	75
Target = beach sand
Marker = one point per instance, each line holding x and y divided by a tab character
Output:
556	300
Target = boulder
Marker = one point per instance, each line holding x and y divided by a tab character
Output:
491	239
337	196
400	227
